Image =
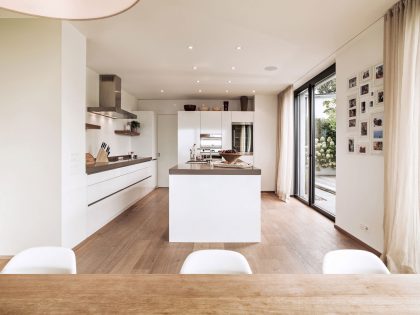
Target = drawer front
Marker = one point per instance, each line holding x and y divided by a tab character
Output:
108	187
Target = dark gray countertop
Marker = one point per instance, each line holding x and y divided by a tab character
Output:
206	169
102	167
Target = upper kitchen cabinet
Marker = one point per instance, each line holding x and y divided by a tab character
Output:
211	123
188	134
242	117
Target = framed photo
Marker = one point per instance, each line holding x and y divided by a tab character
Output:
352	82
353	112
377	147
363	106
350	145
371	103
364	89
352	124
362	147
377	121
366	75
378	74
379	97
352	101
378	134
364	128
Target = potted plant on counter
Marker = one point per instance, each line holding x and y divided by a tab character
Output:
134	125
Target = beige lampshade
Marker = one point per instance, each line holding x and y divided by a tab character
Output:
69	9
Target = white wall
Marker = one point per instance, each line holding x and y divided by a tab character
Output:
173	106
30	128
73	100
146	143
360	196
265	139
120	145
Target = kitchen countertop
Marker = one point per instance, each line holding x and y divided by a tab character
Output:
102	167
206	169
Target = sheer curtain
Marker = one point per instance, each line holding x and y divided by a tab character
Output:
285	144
402	137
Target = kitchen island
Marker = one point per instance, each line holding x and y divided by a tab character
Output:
211	204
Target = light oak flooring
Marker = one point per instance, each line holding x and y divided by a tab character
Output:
294	240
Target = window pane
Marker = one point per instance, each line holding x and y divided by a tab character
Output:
303	149
325	140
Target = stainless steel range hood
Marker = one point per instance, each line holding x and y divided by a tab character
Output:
110	98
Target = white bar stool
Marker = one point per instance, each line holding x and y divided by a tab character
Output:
215	261
352	261
42	260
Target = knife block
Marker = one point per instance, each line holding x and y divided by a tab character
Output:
102	156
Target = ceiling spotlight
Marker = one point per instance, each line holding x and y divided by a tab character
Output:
161	91
199	91
229	81
198	81
190	47
270	68
233	68
253	91
227	91
69	9
238	47
195	68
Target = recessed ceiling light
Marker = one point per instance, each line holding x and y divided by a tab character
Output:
195	68
270	68
199	91
198	81
229	81
227	91
190	47
238	47
233	68
161	91
253	91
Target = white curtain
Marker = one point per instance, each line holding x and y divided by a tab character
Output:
402	137
285	144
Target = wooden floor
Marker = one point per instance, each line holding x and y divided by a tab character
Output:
294	240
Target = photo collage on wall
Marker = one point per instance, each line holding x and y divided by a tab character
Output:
365	107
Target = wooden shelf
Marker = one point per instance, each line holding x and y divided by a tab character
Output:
127	133
92	126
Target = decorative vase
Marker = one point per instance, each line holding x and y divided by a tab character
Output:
244	103
226	106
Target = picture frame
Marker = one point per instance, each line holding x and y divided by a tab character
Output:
350	145
364	128
352	124
377	134
377	147
366	75
364	89
378	74
362	147
352	82
352	101
364	106
377	121
353	112
379	96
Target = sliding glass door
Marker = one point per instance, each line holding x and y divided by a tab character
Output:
315	152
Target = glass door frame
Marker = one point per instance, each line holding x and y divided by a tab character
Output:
310	86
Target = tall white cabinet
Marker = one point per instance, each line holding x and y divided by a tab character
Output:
211	123
188	133
227	130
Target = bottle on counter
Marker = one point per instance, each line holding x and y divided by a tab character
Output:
193	153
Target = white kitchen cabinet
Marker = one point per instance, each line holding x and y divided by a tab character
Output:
188	133
226	130
211	123
242	116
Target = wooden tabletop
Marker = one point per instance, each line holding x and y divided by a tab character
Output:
209	294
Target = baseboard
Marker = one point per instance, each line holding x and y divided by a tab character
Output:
354	238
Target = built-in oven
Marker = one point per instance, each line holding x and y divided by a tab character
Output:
242	138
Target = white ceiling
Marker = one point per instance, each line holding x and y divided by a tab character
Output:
147	46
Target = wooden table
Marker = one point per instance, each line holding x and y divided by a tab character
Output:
186	294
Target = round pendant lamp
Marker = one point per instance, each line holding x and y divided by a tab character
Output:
69	9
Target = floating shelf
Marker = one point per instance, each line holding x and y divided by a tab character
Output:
127	133
92	126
